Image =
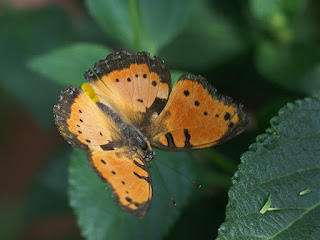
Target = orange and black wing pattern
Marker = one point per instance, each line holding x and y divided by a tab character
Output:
196	117
128	176
132	92
136	86
82	123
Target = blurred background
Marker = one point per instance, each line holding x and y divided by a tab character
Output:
261	53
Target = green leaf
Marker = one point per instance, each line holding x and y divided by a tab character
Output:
27	34
281	18
99	217
48	193
263	9
219	159
209	39
280	164
67	65
310	83
286	65
141	24
175	75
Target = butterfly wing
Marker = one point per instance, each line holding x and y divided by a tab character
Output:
82	123
195	117
128	176
136	86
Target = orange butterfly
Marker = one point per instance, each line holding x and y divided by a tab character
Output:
127	106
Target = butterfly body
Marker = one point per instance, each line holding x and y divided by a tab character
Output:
131	136
127	107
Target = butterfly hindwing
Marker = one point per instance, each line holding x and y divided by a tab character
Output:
136	86
127	175
195	117
82	123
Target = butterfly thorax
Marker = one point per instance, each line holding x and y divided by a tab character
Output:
133	138
138	143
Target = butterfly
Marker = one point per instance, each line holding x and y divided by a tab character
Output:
127	106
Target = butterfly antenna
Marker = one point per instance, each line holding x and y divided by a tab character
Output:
184	175
171	198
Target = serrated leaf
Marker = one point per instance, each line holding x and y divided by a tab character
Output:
99	217
141	24
67	65
280	164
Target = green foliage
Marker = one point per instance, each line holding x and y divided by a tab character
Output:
311	81
67	65
210	37
100	217
141	24
273	61
262	53
273	173
18	45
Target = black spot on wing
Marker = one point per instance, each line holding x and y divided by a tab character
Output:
62	111
170	140
124	59
227	116
187	141
103	161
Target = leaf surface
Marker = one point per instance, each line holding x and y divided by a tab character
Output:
99	217
282	163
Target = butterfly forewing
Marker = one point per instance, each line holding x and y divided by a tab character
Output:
195	117
135	85
81	122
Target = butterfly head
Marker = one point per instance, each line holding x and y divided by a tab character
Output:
148	155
